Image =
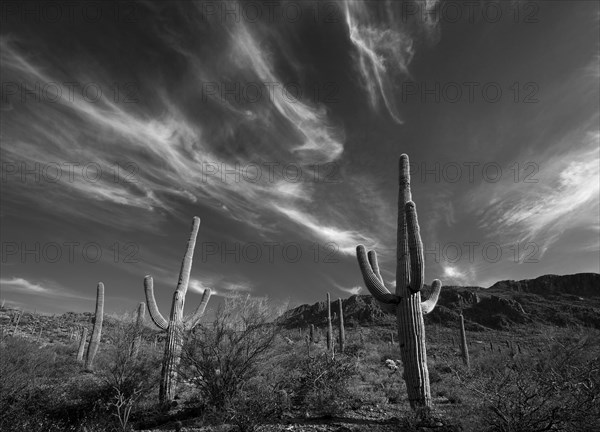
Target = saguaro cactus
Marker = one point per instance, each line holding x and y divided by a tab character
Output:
329	326
139	324
82	344
406	302
463	342
342	331
97	330
176	325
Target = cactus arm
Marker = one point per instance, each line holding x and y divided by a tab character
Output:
81	350
186	265
415	246
193	321
372	281
155	314
429	305
372	256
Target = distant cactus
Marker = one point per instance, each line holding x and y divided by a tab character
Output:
176	325
312	333
463	342
329	326
97	330
406	302
17	320
139	325
84	333
342	330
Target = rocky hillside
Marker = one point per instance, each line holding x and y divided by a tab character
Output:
549	299
65	328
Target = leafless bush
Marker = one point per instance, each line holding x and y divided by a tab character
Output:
560	391
220	358
129	374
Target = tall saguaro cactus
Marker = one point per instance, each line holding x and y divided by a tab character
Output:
463	342
139	324
97	330
406	302
176	325
329	325
342	331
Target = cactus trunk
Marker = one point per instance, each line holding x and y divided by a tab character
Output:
463	342
406	302
329	325
173	346
176	326
97	330
84	333
342	330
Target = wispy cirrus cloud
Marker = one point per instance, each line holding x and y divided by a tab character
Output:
220	287
345	240
564	195
172	157
384	46
24	286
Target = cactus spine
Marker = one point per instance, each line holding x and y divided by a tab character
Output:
329	326
463	342
97	330
82	344
139	323
406	302
342	331
176	325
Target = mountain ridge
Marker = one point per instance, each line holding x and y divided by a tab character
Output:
560	300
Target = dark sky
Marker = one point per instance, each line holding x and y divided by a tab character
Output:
280	125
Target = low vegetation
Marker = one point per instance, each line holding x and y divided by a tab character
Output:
243	370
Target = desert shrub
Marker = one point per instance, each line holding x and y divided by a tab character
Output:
40	391
129	377
559	391
321	382
23	368
222	357
252	406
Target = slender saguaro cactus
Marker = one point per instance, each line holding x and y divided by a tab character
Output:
312	333
176	325
463	342
406	302
97	330
342	331
139	324
82	344
17	323
329	326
